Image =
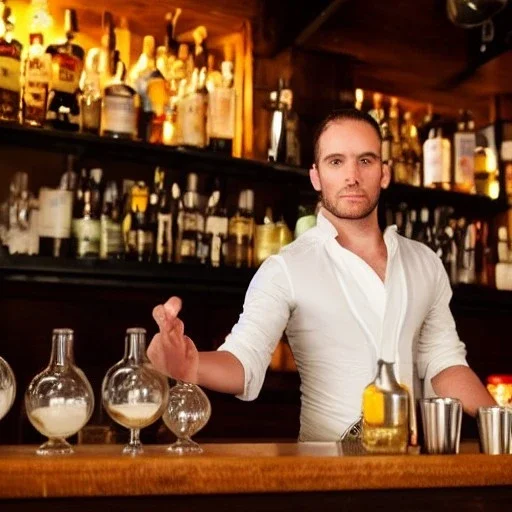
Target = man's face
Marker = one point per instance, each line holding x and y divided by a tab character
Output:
349	173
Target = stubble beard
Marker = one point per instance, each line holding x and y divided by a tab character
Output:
349	213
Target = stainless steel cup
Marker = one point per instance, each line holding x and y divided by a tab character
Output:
495	429
441	418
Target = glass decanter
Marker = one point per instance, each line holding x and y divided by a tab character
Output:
59	401
7	387
187	412
385	413
134	394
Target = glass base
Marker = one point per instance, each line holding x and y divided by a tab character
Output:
55	446
133	449
183	446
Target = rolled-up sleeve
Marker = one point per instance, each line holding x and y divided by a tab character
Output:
267	308
439	345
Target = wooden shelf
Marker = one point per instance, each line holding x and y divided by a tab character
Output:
181	158
188	159
227	280
123	274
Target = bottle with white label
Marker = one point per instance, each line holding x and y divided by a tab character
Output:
221	110
119	108
37	76
55	209
464	145
10	67
216	230
437	160
87	228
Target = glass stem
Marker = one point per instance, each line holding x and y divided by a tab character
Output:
135	437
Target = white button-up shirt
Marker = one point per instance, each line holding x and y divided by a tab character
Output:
340	318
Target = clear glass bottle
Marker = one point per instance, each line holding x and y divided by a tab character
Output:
7	387
59	401
385	413
187	412
134	394
90	100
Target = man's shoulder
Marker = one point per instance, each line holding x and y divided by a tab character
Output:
304	244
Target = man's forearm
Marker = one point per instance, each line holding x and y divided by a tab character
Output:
461	382
221	371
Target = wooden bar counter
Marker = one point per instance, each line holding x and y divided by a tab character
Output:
282	476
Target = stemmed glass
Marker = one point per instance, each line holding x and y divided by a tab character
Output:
134	394
7	387
59	401
187	412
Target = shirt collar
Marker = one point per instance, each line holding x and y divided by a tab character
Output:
390	233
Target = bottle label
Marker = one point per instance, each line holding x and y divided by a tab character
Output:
436	161
217	225
10	66
111	238
87	233
221	113
66	71
194	123
464	151
119	115
35	91
55	210
188	247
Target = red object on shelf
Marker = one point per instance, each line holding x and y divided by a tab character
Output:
500	379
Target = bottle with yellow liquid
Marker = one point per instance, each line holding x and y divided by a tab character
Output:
385	413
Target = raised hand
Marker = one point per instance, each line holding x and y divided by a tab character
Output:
171	351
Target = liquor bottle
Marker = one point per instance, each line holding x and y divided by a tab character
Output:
437	160
239	247
194	107
190	223
216	229
221	110
111	236
394	128
55	215
90	99
137	230
377	112
139	77
67	63
10	67
87	227
411	150
464	145
166	220
119	108
151	224
36	81
359	98
291	126
277	143
385	413
123	40
172	45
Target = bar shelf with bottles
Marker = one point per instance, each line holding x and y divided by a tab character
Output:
436	159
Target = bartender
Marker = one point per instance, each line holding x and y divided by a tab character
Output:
344	293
